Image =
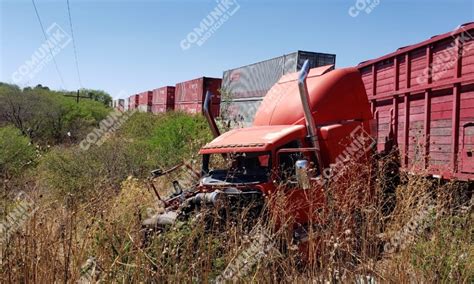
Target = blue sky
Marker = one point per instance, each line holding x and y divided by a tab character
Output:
133	46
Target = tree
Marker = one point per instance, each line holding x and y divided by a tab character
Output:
22	109
97	95
47	116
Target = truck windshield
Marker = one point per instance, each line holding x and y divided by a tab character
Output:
237	168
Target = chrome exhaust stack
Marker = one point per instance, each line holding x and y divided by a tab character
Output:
310	124
208	114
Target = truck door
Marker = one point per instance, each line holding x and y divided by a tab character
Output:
302	204
467	149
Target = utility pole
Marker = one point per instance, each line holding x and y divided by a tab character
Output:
78	96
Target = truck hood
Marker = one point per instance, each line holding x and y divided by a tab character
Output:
254	139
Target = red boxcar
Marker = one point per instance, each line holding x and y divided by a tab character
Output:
190	95
132	102
422	97
163	99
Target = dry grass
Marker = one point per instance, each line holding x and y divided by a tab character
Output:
346	245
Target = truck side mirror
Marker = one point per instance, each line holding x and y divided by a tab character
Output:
178	190
302	174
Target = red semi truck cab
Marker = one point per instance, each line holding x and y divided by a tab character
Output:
306	125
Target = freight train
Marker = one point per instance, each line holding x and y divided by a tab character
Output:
311	124
244	88
421	98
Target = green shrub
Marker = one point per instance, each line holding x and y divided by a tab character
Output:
145	142
16	151
449	251
140	126
172	137
74	172
179	136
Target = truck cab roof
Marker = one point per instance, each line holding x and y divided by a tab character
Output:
335	95
254	139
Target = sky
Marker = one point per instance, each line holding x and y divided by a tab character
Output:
126	47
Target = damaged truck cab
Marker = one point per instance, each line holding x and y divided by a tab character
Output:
302	129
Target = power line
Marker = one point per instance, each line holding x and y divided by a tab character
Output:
74	45
46	38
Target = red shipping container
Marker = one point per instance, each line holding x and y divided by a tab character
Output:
196	107
145	98
160	108
132	102
422	99
164	95
195	90
144	108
